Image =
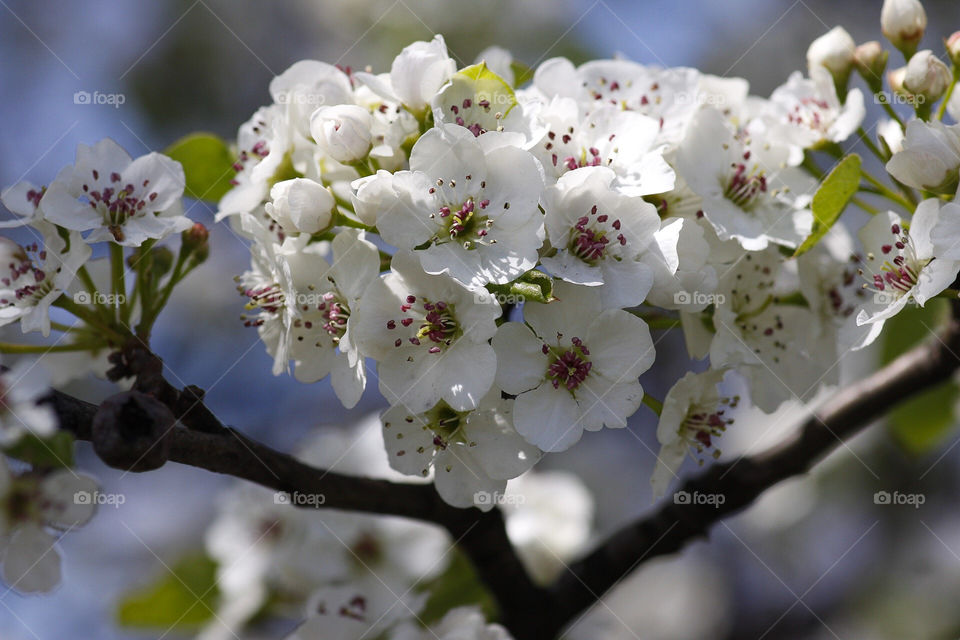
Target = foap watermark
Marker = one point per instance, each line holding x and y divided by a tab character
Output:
299	499
712	499
896	498
99	98
495	497
885	97
302	98
698	298
700	99
99	498
484	297
100	298
888	297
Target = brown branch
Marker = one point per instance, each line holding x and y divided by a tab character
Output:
741	481
123	420
526	610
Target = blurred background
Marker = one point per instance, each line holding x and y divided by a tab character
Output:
815	558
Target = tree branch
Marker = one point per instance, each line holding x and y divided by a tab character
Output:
221	449
526	609
741	481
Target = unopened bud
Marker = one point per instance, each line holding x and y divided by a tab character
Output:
903	23
927	76
870	59
342	131
895	80
953	48
196	241
835	51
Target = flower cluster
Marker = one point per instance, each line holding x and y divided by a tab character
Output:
501	251
492	247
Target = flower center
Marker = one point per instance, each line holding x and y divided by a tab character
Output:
445	424
569	367
28	281
811	113
897	275
704	423
437	328
589	243
335	314
745	187
267	298
116	203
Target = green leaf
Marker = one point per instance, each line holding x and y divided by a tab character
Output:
522	74
533	286
831	198
208	164
925	421
181	600
458	586
50	453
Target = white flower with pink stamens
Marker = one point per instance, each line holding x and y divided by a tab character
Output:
472	453
775	346
601	236
33	276
694	415
31	506
304	304
429	335
572	366
264	142
472	201
118	198
806	112
901	262
743	197
624	141
669	96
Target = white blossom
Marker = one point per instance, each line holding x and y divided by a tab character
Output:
429	335
572	366
33	506
117	198
601	236
474	200
472	453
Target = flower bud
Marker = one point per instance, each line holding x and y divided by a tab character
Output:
927	76
953	48
895	80
871	60
903	23
301	205
196	241
342	131
835	51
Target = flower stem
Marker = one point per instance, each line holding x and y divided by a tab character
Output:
9	347
865	138
654	405
946	97
117	275
886	191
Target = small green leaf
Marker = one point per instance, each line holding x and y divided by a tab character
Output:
182	599
458	586
831	198
522	74
533	286
208	164
925	421
50	453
